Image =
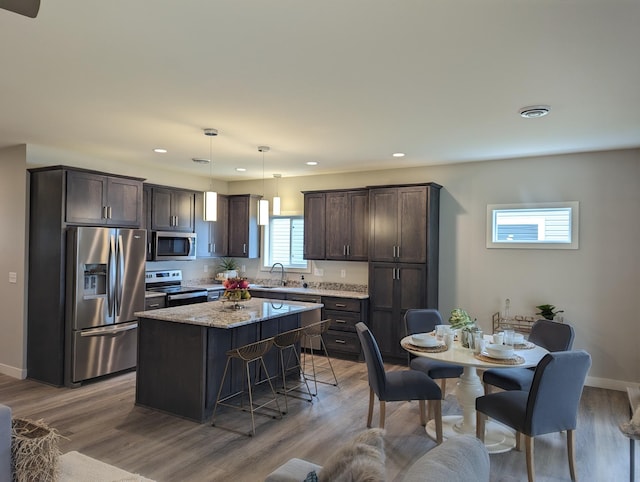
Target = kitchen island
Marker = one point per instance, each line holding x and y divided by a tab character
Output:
182	350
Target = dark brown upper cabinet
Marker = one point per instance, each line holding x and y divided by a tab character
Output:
103	200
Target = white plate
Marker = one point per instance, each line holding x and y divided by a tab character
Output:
425	340
499	351
498	356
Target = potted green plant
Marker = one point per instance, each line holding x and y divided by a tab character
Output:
548	311
229	267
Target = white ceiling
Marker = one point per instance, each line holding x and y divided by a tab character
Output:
342	82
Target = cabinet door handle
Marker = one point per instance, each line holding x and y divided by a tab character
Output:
398	275
108	212
398	255
348	250
244	248
342	342
104	212
340	322
153	305
340	305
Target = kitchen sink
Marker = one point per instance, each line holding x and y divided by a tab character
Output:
261	287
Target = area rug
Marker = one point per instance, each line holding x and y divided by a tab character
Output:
75	467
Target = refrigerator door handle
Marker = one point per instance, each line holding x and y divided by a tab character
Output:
117	330
120	275
111	266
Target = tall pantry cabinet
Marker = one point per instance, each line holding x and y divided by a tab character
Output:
403	258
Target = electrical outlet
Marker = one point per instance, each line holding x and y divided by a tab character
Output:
13	277
318	271
343	273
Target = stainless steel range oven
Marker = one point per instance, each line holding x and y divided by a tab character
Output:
170	282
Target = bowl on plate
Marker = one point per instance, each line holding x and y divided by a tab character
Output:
424	340
499	351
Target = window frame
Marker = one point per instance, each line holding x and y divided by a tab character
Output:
574	209
265	259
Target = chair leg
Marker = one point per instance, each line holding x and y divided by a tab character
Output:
437	406
383	407
480	421
528	442
571	453
371	401
518	441
487	388
423	413
443	386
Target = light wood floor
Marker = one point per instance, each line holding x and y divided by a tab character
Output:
101	420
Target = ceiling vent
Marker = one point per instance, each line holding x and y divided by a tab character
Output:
534	111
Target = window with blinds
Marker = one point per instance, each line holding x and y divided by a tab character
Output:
285	242
548	225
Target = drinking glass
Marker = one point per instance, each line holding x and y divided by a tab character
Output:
478	342
440	331
508	337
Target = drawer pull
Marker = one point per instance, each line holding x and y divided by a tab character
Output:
340	305
342	342
154	305
340	321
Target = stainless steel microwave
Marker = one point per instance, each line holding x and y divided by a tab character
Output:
173	246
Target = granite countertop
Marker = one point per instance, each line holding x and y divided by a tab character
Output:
219	314
313	291
154	294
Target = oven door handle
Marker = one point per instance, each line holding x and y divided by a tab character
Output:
115	330
185	296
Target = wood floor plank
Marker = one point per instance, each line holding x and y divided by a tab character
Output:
101	420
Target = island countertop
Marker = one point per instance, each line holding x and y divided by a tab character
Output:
219	314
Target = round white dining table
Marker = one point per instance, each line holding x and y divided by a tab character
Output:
498	437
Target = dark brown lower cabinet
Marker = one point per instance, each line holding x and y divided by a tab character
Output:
180	366
393	289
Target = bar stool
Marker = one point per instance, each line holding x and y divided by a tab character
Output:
288	341
311	332
247	354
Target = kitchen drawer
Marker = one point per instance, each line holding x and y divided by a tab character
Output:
342	320
342	341
341	304
155	303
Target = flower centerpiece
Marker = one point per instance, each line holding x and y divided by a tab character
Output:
460	320
236	289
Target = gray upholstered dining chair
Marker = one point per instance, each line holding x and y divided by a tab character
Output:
397	385
425	321
551	405
548	334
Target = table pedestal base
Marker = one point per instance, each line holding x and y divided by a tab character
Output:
498	438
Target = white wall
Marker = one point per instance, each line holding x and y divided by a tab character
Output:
13	253
597	285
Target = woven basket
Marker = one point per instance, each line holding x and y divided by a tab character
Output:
34	451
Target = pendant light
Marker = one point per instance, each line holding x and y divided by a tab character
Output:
210	196
276	199
263	204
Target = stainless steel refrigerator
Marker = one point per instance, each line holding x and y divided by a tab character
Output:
105	287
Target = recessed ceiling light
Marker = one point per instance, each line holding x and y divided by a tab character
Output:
312	163
160	150
534	111
398	154
240	169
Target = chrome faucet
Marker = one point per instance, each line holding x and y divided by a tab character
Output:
282	282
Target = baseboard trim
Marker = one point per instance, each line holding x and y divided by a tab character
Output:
13	372
610	384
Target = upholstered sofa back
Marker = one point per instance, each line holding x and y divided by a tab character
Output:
5	443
